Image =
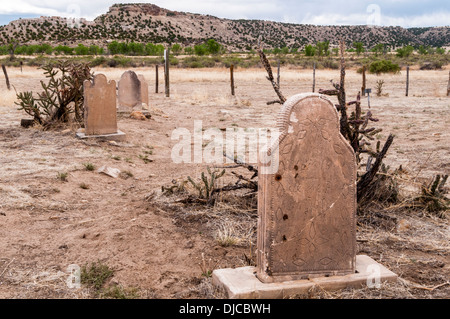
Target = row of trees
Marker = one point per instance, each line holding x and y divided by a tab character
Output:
211	46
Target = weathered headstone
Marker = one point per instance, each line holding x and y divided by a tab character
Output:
100	112
144	90
100	106
129	92
306	224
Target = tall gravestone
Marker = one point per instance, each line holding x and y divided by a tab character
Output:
129	92
307	207
144	90
100	106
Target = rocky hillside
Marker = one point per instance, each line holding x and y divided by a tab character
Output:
150	24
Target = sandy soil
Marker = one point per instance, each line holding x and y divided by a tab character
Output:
155	244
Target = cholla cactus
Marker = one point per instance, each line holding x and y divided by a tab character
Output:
62	95
206	190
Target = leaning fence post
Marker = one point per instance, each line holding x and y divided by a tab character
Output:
6	77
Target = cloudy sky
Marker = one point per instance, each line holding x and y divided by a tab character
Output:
406	13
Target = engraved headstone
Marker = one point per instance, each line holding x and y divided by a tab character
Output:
100	106
307	207
129	92
144	91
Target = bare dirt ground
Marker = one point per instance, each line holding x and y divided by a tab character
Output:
155	244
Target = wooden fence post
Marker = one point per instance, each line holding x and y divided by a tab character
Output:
407	80
314	77
167	82
232	78
363	88
6	77
156	78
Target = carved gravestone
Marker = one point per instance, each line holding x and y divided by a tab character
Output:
129	92
144	90
100	106
307	206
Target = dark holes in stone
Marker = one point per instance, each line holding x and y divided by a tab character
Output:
284	238
296	167
285	216
278	177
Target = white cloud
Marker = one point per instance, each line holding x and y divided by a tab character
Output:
434	19
25	7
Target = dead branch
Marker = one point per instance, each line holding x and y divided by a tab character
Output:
367	178
251	168
265	62
328	92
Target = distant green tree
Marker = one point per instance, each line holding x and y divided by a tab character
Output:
378	49
134	48
284	50
440	50
95	50
310	50
201	49
405	51
276	51
12	45
422	50
322	48
359	47
60	49
213	46
176	48
188	50
114	48
81	50
124	48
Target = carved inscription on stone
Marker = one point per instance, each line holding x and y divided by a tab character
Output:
100	106
307	208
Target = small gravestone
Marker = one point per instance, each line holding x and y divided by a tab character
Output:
306	210
129	92
100	113
144	91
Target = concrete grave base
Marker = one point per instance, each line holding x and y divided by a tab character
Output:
119	136
242	283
